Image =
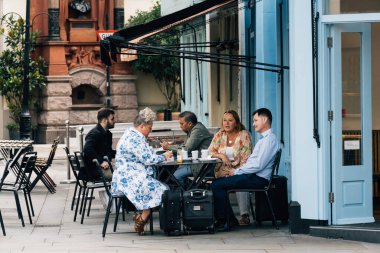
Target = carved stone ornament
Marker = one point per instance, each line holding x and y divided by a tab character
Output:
81	7
77	56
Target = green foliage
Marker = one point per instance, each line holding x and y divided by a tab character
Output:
12	126
11	62
165	69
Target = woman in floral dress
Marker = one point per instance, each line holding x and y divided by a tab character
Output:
134	173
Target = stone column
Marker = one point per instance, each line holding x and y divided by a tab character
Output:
119	14
56	104
124	97
63	15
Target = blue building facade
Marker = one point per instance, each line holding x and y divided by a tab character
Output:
321	86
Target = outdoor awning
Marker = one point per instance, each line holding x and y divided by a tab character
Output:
138	32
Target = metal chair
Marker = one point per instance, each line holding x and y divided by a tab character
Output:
21	182
41	167
89	189
2	224
265	190
118	198
81	184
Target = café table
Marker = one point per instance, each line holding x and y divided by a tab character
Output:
207	165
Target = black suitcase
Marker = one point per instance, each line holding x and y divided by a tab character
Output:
170	212
279	199
198	211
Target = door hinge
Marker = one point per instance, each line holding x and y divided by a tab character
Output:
331	197
329	42
330	115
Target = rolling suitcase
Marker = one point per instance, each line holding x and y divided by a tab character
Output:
170	212
279	199
198	211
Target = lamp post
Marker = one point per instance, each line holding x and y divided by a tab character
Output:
25	119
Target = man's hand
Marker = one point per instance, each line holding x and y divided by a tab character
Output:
105	165
225	160
231	172
165	145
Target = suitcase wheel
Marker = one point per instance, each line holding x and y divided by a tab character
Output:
185	231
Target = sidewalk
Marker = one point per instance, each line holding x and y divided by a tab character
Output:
53	230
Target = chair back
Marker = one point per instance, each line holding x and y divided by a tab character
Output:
26	168
74	165
79	156
52	151
275	166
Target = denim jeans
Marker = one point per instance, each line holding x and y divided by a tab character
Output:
182	173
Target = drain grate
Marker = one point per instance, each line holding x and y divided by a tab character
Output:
47	225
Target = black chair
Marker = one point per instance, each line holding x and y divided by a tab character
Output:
118	198
74	165
21	182
2	224
265	190
1	217
41	167
89	189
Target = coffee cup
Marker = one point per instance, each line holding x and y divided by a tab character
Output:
204	153
194	154
184	154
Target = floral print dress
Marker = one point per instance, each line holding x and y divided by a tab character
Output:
133	175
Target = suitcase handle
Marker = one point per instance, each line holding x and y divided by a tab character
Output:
198	194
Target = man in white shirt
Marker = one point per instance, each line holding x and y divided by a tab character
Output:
254	174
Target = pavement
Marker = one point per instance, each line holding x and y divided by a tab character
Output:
53	229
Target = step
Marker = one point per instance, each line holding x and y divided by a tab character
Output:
355	233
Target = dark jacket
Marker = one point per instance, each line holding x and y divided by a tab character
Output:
198	138
98	144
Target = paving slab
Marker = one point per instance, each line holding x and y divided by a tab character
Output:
53	229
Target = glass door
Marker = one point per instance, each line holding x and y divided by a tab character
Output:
351	196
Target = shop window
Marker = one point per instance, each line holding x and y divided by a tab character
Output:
352	6
85	94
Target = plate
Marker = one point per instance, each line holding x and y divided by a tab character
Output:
208	159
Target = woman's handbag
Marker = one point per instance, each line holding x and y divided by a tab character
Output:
221	170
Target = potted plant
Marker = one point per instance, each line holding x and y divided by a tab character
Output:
11	71
14	131
165	69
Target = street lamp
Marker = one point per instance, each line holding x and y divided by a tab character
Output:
25	119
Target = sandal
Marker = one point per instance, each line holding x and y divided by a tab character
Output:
139	224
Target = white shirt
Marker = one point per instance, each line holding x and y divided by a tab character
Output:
262	157
230	153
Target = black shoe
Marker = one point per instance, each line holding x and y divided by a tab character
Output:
220	224
234	222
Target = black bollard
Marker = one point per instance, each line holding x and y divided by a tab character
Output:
167	115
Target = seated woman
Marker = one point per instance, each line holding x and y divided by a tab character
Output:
232	144
133	175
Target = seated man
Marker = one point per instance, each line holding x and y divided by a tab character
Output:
198	138
99	144
254	174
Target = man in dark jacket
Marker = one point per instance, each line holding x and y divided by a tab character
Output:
99	144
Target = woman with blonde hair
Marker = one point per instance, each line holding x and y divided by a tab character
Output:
133	175
232	144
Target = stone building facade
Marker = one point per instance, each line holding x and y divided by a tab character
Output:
76	83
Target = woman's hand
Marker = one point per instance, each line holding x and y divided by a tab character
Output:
226	161
168	154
